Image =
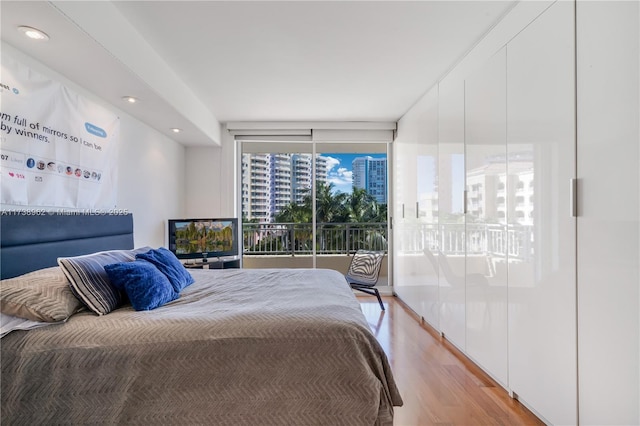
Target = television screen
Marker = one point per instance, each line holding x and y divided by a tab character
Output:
203	238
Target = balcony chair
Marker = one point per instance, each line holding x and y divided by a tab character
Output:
363	272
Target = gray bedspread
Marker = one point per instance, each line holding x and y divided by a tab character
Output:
239	347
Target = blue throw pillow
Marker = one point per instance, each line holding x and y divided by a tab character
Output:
146	287
90	283
168	264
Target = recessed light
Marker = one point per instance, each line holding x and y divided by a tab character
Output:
33	33
130	99
176	130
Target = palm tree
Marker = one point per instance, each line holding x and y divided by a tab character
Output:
380	214
296	213
335	207
362	206
330	206
297	238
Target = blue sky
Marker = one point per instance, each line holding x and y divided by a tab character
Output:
340	170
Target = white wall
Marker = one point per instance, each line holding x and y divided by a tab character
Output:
211	180
151	166
150	180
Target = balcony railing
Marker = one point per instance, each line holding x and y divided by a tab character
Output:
514	241
297	238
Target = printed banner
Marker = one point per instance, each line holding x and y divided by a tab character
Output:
58	149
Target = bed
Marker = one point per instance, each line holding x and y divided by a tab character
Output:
282	347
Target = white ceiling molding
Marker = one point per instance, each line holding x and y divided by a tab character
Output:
315	125
299	146
103	22
293	133
273	138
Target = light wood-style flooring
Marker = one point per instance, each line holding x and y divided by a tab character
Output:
438	384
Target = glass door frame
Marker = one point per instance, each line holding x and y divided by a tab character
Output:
275	144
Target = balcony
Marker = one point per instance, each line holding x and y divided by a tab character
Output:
297	238
290	245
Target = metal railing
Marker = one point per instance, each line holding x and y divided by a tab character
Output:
297	238
515	241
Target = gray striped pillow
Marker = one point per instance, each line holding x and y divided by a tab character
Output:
90	282
42	295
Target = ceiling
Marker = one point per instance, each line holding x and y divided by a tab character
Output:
196	64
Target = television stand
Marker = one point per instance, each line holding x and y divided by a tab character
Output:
214	263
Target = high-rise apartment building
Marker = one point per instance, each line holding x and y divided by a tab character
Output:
516	186
301	172
256	189
370	174
280	169
322	173
270	182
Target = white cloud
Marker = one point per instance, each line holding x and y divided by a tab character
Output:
341	179
331	163
347	174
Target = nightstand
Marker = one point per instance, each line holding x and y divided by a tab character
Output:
214	264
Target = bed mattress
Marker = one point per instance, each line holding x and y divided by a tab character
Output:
238	347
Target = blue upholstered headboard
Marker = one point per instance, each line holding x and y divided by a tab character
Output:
32	242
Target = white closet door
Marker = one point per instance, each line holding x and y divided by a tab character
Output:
542	232
486	217
608	48
415	230
406	244
452	244
427	209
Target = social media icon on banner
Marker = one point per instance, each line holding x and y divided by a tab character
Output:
95	130
31	163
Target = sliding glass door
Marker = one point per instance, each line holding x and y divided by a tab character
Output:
312	204
351	202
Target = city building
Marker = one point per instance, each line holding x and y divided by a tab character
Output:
270	182
256	189
513	202
370	174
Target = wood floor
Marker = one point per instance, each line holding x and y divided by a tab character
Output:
438	384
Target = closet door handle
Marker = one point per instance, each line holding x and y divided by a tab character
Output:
464	202
417	209
573	197
403	210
